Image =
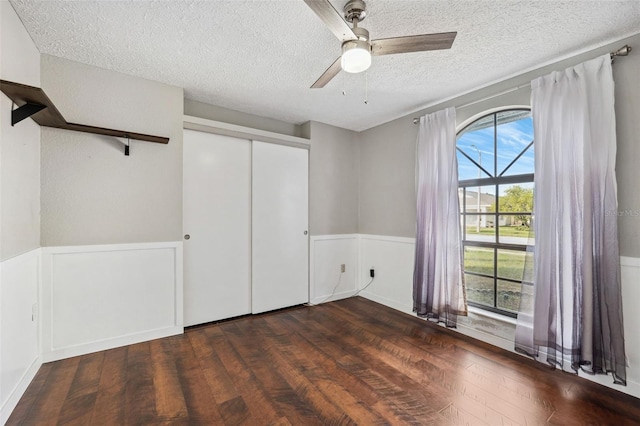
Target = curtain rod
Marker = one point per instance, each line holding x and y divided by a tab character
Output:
623	51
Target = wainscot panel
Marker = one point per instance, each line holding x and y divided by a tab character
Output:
19	352
101	297
327	254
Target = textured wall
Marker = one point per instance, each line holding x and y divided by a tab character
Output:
387	152
91	192
333	180
19	145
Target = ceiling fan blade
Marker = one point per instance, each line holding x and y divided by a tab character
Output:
332	19
326	77
416	43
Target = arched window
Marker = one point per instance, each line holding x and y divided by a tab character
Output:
495	173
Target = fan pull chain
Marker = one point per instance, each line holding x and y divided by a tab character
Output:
344	85
366	88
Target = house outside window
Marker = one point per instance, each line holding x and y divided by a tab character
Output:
495	174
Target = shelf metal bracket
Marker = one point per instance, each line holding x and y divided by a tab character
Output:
24	112
126	147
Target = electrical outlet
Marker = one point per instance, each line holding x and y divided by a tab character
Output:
343	268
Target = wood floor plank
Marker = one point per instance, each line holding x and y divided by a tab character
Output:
110	401
30	396
83	391
170	403
52	396
262	408
196	391
347	362
288	400
409	395
397	404
288	348
440	375
328	361
495	403
140	404
326	410
220	383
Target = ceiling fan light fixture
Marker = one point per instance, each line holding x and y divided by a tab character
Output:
356	56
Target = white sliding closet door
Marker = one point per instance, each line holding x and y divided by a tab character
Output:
217	218
280	248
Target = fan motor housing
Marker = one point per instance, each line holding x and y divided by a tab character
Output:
361	33
355	10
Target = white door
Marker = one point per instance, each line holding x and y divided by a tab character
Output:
217	218
280	247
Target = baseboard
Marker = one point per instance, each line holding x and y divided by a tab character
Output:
19	390
387	302
333	297
68	352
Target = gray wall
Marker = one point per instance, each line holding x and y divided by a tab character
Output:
387	179
19	145
91	193
333	180
626	73
213	112
387	152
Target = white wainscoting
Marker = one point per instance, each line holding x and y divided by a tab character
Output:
101	297
327	253
392	260
630	277
19	351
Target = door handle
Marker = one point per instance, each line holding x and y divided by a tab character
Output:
305	232
187	236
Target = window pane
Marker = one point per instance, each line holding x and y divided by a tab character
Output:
479	260
523	165
516	198
497	214
513	134
479	289
512	264
515	229
467	170
477	141
486	203
480	227
509	294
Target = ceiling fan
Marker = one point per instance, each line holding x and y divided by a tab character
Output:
357	48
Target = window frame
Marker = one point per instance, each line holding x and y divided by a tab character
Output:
494	181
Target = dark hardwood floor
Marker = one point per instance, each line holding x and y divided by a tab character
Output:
346	362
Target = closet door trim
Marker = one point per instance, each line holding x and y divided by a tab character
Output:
242	132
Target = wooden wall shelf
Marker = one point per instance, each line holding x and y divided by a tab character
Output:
33	102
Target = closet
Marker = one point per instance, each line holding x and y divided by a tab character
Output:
245	215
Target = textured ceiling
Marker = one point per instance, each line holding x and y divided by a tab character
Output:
260	57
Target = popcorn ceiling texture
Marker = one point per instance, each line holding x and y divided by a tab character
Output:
260	57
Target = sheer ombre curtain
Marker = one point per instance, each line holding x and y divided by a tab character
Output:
438	280
575	320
